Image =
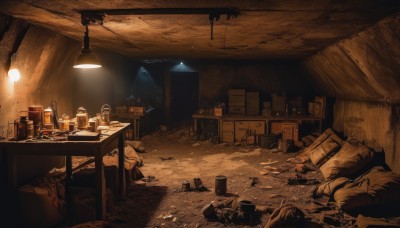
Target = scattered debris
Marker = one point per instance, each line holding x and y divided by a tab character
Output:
196	144
266	187
208	210
269	162
198	184
268	167
231	211
302	181
302	168
167	158
149	179
254	181
168	217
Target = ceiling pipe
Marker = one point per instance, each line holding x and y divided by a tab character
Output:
230	12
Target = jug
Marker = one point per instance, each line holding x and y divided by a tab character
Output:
82	118
23	128
105	114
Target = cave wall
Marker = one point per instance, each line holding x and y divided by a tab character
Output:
363	73
267	77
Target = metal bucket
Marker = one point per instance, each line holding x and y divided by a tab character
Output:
220	185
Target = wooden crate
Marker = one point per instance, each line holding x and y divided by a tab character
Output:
276	128
228	137
290	131
228	126
240	130
252	103
258	126
136	110
278	103
235	100
235	92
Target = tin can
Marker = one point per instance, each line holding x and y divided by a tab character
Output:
185	185
220	185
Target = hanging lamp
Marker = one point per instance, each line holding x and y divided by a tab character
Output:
86	59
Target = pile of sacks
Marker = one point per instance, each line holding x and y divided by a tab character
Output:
354	180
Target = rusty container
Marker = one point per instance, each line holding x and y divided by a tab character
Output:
35	113
220	185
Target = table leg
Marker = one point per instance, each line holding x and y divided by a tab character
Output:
121	166
195	124
100	188
138	129
12	171
68	178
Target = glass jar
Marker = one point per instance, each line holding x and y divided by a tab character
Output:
21	128
48	118
82	118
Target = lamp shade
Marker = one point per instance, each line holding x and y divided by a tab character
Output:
87	60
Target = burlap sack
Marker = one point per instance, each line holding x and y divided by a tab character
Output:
329	188
42	202
348	162
325	150
377	187
328	133
287	216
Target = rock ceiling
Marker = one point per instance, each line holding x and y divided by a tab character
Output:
273	29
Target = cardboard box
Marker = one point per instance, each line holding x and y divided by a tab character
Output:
237	109
217	111
278	103
235	100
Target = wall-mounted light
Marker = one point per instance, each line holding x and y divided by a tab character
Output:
87	59
14	75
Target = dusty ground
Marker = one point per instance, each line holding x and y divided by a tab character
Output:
174	157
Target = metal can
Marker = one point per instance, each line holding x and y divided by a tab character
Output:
185	185
220	185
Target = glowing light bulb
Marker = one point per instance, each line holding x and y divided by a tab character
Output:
181	63
14	75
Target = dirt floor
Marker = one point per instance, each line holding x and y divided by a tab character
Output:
172	157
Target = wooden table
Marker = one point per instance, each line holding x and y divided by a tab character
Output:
97	149
132	118
267	119
202	116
